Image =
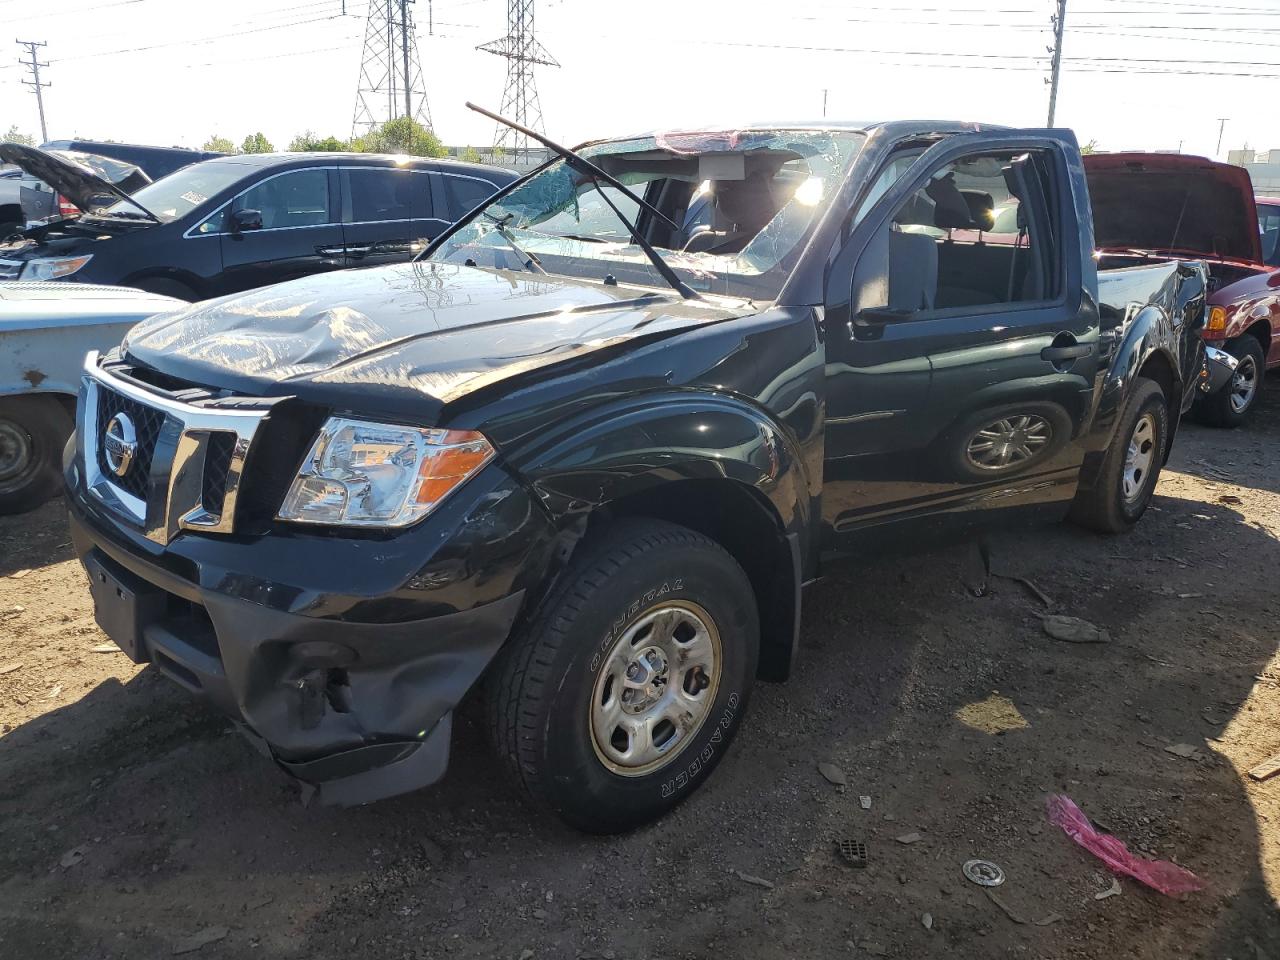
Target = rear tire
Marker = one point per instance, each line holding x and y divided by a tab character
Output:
33	432
1231	405
623	693
1131	466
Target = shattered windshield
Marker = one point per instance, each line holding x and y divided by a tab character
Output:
742	203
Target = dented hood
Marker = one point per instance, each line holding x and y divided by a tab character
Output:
407	338
1173	203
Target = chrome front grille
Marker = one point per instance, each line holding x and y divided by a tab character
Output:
185	456
10	269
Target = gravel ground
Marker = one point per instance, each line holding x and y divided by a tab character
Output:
134	823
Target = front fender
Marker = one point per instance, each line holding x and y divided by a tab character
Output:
629	448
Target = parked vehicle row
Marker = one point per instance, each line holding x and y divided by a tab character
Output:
27	200
234	223
587	449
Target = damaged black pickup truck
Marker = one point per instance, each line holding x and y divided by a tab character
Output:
583	455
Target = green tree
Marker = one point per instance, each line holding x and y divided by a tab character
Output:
14	136
401	135
308	142
256	143
219	144
471	155
1090	147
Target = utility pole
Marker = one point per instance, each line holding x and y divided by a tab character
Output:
1059	27
404	51
34	66
824	103
1222	125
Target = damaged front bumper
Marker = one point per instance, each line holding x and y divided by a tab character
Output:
350	692
1220	367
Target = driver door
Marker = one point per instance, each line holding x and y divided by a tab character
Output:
961	360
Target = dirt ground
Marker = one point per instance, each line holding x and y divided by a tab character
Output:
134	822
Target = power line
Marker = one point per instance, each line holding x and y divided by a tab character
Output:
34	83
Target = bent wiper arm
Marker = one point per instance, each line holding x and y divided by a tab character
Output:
578	161
664	268
500	224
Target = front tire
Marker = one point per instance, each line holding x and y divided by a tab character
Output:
1131	467
33	431
624	692
1231	405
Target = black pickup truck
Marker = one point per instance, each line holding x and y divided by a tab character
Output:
584	454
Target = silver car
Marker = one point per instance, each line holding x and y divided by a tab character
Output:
45	331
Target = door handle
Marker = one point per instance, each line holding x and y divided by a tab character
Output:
331	251
1072	352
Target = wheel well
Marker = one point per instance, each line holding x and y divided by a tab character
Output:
1158	368
741	521
1261	331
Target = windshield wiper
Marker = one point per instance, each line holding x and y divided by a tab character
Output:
500	225
596	174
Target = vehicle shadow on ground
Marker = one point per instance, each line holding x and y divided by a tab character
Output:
32	540
130	820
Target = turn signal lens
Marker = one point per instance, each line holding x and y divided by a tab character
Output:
1217	320
381	475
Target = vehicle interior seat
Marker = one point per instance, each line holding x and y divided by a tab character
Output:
913	259
742	209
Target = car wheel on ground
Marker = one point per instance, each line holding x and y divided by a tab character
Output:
626	688
1231	405
33	431
1131	466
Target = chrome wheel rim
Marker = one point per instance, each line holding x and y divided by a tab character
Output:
1009	441
1139	458
1244	384
654	688
15	451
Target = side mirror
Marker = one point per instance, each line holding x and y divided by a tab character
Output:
243	220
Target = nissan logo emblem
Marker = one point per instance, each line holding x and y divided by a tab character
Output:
120	444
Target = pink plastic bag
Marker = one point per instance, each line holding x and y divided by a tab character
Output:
1168	878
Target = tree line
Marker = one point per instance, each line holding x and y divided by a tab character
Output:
401	135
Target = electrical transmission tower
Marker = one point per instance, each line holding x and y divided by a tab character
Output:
522	51
391	83
34	83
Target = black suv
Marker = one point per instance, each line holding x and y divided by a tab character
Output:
234	223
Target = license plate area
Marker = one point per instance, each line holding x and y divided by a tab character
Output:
124	605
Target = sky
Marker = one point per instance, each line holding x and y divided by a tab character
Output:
1137	74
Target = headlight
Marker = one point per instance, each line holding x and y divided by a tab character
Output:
381	475
53	268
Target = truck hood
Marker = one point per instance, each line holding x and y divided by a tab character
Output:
409	338
77	181
1173	203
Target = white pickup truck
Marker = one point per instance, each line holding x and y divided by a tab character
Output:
45	331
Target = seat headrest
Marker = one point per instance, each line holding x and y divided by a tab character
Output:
951	210
982	208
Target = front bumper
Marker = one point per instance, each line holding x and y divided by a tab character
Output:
343	657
